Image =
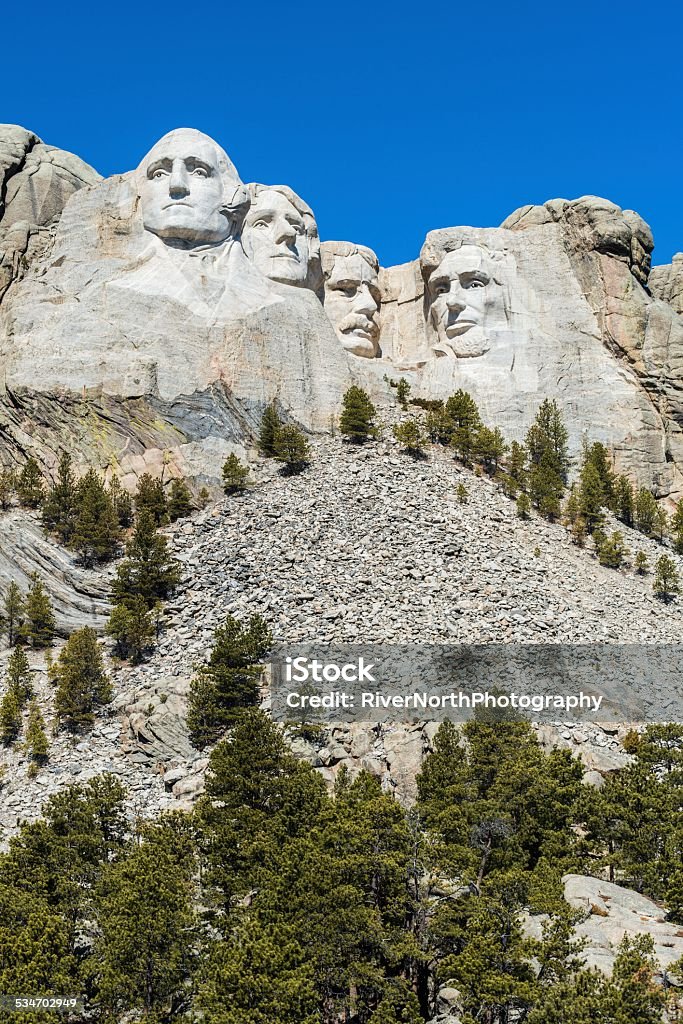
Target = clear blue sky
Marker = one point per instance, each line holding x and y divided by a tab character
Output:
388	118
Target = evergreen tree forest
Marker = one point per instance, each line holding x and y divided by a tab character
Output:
278	901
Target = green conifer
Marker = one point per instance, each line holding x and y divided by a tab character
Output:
148	569
30	490
132	628
612	551
38	627
82	683
58	512
151	497
523	506
14	610
121	501
357	421
235	475
180	501
18	675
403	390
591	496
271	425
96	532
411	435
37	743
8	483
677	527
292	449
10	716
462	494
641	563
490	447
230	680
624	500
646	512
666	583
464	415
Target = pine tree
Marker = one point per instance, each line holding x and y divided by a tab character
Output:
645	512
403	390
82	683
96	531
579	531
624	500
203	498
8	483
180	502
612	551
235	475
14	610
357	421
490	447
597	455
591	496
121	502
132	628
230	680
523	506
411	435
292	449
677	527
58	512
439	426
661	522
641	563
462	494
271	424
37	744
148	569
18	677
147	935
464	415
666	582
546	443
30	489
10	716
516	465
150	497
38	627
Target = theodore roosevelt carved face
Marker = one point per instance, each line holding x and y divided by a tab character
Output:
189	190
352	296
466	301
280	236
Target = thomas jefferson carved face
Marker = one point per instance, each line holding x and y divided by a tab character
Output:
352	297
465	301
277	239
182	190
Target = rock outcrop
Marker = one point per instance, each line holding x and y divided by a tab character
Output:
35	182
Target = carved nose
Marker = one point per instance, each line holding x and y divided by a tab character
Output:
179	184
455	303
364	301
286	232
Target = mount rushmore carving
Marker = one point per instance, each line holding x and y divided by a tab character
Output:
147	318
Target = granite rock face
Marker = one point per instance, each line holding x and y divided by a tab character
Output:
174	302
35	183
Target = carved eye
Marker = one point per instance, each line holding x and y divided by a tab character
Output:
441	288
260	224
200	172
475	284
160	173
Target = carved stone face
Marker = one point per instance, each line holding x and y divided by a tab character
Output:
275	238
352	301
182	190
465	302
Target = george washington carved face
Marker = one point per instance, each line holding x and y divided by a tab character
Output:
187	186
